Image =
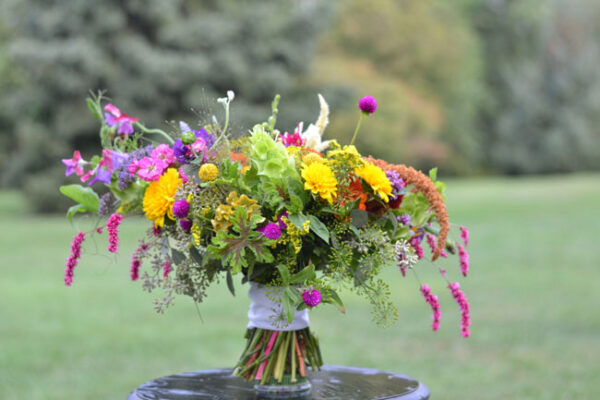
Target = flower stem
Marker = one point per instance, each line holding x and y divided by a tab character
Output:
155	131
362	116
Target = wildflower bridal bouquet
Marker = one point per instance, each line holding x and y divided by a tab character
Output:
297	218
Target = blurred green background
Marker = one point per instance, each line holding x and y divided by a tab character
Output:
502	95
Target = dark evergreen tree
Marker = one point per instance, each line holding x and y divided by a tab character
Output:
543	83
157	59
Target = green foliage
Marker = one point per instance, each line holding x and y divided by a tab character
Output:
156	58
543	85
232	247
87	200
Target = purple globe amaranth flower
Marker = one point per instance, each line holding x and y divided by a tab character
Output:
270	231
367	104
185	224
311	297
181	208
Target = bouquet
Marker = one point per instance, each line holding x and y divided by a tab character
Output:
298	218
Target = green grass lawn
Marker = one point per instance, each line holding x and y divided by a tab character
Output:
534	289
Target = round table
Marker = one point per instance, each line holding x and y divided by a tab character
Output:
331	382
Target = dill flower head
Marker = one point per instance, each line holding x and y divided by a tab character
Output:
319	179
160	196
377	179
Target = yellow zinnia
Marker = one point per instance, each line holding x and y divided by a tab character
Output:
376	178
160	196
319	179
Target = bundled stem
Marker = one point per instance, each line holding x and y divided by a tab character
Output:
272	357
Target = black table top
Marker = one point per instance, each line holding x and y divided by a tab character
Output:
331	382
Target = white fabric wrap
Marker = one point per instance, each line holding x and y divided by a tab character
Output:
263	311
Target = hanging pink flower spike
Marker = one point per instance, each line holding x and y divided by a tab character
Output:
166	269
432	300
464	235
464	305
463	257
112	226
73	259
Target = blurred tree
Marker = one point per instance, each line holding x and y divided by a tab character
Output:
543	110
156	59
420	59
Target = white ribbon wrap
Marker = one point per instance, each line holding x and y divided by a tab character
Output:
264	313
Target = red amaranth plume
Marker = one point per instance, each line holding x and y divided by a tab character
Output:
426	186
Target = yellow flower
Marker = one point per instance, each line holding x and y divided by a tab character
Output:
208	172
319	179
376	178
160	196
310	158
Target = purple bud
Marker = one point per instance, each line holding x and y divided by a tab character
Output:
181	208
186	224
367	104
311	297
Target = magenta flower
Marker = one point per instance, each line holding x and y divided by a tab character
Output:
431	241
464	235
432	300
311	297
280	222
292	139
114	117
270	231
166	269
112	226
165	153
75	164
199	146
181	208
185	224
464	305
150	169
463	257
74	256
367	104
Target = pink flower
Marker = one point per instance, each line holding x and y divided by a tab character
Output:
311	297
165	153
136	263
292	139
114	117
199	146
112	226
74	165
463	257
464	235
166	269
73	259
464	305
150	169
113	160
431	241
367	104
432	300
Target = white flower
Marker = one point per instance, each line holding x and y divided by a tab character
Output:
313	134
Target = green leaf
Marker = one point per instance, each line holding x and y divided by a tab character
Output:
82	195
196	256
289	307
298	220
330	296
433	174
359	218
230	283
306	274
94	109
319	228
294	296
74	210
285	274
177	256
